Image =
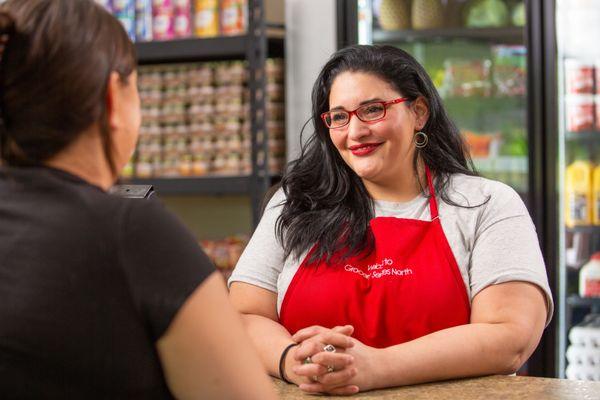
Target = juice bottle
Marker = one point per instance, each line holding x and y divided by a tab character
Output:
578	193
589	277
596	196
206	18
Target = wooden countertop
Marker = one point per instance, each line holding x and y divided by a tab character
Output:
488	388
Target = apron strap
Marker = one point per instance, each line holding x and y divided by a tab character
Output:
433	209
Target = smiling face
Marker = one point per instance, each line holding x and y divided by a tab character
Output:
380	152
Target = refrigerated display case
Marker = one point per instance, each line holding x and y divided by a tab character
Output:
493	62
477	61
578	64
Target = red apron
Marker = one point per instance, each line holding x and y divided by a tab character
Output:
408	287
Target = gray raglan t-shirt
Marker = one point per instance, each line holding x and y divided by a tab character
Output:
493	243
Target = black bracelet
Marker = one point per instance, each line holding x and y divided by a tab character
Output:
282	362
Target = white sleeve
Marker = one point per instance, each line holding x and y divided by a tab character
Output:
506	246
262	260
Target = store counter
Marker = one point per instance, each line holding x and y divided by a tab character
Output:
488	388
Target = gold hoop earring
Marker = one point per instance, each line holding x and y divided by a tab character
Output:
421	139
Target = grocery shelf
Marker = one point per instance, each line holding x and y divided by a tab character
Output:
206	185
501	163
595	229
201	49
500	100
588	136
495	35
577	301
232	185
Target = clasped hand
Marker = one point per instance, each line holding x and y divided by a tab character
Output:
351	362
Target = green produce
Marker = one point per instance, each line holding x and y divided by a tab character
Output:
487	14
518	14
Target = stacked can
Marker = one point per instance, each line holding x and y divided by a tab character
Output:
201	96
143	20
196	120
124	11
231	110
276	114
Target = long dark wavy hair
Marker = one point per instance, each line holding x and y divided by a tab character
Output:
326	202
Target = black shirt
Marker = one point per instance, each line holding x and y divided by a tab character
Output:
88	283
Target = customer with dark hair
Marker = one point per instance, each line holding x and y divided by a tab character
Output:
385	260
101	297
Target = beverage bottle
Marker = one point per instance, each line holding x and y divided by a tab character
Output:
589	277
578	193
596	196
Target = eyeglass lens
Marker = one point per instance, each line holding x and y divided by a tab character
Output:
366	113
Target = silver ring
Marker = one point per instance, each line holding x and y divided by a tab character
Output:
329	348
315	378
307	360
330	369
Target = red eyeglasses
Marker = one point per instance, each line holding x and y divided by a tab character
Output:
370	112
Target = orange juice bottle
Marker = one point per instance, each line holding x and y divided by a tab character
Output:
596	196
578	193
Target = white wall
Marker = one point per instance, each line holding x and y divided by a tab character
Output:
310	40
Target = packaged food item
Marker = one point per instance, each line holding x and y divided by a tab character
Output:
578	193
143	20
233	15
163	20
510	70
206	18
580	110
579	76
589	277
124	11
596	196
465	78
182	24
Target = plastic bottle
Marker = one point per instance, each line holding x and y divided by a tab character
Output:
578	193
596	196
589	277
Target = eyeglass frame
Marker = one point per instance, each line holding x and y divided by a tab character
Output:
354	112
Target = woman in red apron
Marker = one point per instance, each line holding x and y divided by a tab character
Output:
380	301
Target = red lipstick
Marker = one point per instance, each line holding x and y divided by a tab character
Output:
364	148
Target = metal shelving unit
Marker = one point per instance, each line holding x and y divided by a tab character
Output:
209	185
201	49
584	229
254	47
493	35
591	137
